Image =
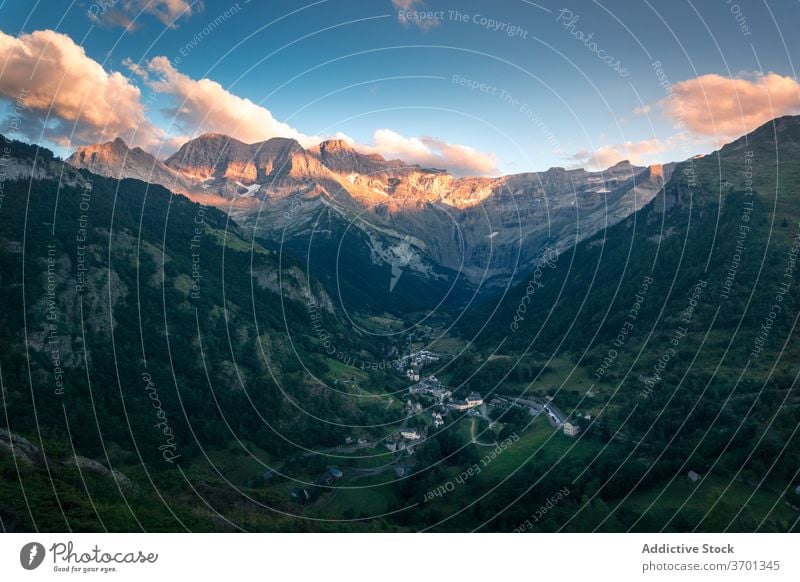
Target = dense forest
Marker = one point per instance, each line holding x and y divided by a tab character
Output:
145	330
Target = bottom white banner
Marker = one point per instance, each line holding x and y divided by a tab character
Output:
356	557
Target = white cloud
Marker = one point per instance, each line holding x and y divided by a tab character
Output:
638	153
432	152
79	102
200	106
123	13
725	108
72	94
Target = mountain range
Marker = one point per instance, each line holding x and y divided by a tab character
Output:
448	233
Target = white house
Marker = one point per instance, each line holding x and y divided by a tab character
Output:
458	405
474	399
410	434
470	401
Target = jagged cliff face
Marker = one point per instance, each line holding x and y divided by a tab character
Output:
338	156
500	227
116	160
487	229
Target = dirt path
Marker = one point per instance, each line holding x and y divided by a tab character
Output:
473	437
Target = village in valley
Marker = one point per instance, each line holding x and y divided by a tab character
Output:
431	407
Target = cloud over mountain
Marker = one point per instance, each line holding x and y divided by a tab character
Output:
205	106
201	106
71	100
433	152
605	156
723	108
69	92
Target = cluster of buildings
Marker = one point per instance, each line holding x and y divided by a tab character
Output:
554	414
472	401
404	440
412	374
326	480
352	440
431	386
415	361
410	434
437	419
399	445
560	420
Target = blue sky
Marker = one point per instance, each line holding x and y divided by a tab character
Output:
543	95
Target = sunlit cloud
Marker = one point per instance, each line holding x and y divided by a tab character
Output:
69	96
724	108
200	106
433	152
126	12
71	100
638	153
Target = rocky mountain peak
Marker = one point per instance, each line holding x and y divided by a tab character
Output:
110	157
208	155
275	147
339	156
103	151
657	171
335	145
115	159
274	176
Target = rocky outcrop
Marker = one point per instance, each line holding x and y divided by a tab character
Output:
292	283
213	155
339	156
116	160
23	450
86	465
29	454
